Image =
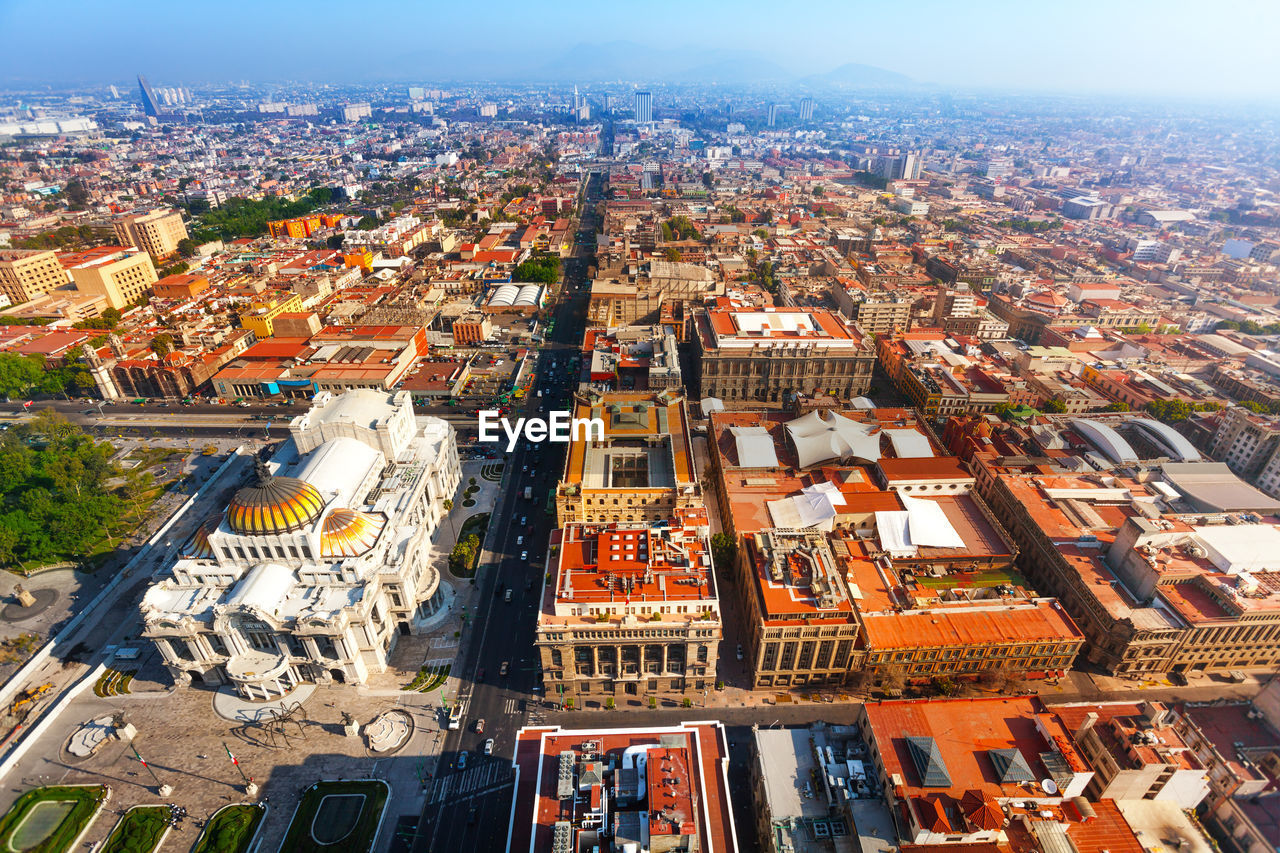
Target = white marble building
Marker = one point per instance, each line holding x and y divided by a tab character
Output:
321	560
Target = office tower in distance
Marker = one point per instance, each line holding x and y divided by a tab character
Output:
806	109
773	115
644	107
150	105
115	93
157	233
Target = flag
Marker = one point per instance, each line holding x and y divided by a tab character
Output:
141	760
234	760
26	405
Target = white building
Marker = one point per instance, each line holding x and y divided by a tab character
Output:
320	561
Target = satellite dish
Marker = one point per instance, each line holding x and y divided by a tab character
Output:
1050	786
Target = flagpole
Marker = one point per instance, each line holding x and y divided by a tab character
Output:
236	762
143	762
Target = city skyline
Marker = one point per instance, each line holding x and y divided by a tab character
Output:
1138	48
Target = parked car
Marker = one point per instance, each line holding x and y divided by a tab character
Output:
480	726
488	747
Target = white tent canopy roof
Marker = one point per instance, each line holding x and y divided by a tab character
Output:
909	444
822	438
923	524
755	447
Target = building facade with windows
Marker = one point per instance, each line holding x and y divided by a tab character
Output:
769	355
28	273
157	233
642	469
631	611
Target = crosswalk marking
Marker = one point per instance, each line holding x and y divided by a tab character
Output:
488	775
511	706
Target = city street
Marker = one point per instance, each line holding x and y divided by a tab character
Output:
502	633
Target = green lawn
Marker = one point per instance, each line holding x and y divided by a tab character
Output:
230	830
48	820
325	807
139	831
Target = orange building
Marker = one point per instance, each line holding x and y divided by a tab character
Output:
180	286
362	258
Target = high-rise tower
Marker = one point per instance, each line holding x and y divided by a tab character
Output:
150	105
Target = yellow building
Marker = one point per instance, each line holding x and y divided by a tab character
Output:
122	275
260	319
28	273
157	233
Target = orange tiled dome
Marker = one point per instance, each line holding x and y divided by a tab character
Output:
199	546
274	505
348	533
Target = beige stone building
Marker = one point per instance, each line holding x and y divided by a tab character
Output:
28	273
768	355
642	470
157	233
121	274
631	611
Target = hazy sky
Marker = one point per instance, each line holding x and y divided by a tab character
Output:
1227	48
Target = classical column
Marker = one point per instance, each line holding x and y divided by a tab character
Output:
595	661
664	658
617	659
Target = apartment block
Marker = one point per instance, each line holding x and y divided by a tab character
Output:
28	273
122	274
157	233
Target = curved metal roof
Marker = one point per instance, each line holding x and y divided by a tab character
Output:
1104	438
1168	439
504	294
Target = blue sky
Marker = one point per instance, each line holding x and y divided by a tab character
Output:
1227	48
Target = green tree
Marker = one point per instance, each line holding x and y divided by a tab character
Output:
1117	406
1168	411
724	552
544	269
162	344
76	193
187	247
1053	406
19	373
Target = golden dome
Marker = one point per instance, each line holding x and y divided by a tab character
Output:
274	505
348	533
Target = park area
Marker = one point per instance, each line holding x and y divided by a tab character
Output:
140	830
337	816
230	830
49	820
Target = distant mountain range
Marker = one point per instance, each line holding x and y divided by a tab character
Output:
624	60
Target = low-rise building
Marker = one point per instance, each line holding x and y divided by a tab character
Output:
659	788
631	610
769	355
641	469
